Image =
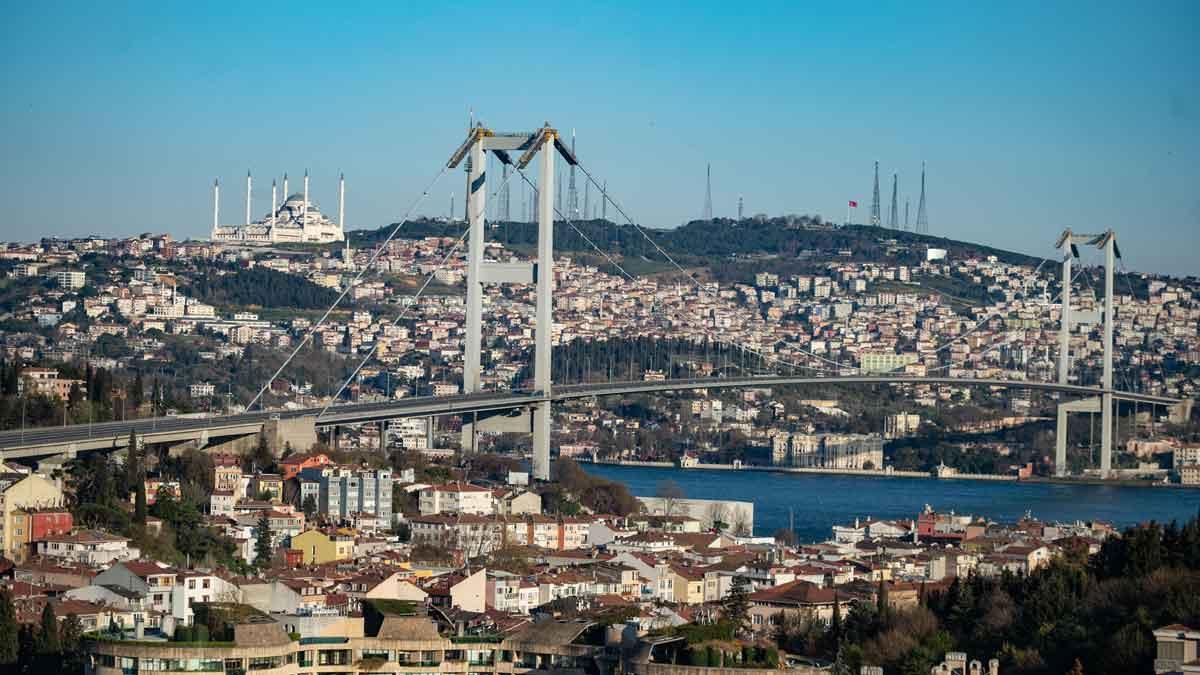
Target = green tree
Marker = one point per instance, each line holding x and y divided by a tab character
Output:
309	507
70	634
736	606
262	542
882	606
47	636
8	630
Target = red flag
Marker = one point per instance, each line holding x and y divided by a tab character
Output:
853	204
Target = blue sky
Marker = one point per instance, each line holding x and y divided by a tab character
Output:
116	118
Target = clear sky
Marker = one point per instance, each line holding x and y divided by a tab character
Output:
116	117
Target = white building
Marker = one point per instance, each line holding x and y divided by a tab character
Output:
87	547
296	220
456	498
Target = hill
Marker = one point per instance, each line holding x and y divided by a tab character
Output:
720	241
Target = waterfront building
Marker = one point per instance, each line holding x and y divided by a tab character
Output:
828	451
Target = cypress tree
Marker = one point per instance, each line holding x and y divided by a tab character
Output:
9	642
262	542
47	637
881	599
71	639
835	623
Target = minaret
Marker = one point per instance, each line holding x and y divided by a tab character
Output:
741	204
216	206
248	197
273	202
285	192
304	206
708	192
342	208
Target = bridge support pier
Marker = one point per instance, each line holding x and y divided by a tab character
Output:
1087	405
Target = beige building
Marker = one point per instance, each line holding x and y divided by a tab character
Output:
18	492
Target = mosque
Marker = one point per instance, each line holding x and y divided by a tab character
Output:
297	220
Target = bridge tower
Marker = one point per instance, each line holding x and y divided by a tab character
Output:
544	141
1068	243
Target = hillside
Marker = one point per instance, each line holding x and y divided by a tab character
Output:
720	241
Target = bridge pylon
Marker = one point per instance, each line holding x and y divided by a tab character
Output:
1068	243
479	141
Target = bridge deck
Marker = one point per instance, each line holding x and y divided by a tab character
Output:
43	441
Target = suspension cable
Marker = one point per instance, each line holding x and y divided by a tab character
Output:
429	278
604	194
354	282
715	338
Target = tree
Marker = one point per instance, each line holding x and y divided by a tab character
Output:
670	493
132	468
785	536
736	605
8	630
309	507
262	542
1077	668
46	642
881	599
71	638
261	459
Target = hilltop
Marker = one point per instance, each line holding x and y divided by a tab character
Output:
731	249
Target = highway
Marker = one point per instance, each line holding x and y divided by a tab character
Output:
44	441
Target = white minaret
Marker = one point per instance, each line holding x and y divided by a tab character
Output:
285	192
248	182
304	206
342	205
216	206
273	202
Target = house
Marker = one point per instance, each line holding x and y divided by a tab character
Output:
687	584
89	547
514	503
456	497
19	492
319	548
799	597
1178	650
31	525
152	580
292	465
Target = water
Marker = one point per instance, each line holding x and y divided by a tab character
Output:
820	501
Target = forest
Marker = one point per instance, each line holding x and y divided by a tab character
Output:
261	287
711	241
1100	611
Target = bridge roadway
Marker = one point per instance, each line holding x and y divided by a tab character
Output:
43	441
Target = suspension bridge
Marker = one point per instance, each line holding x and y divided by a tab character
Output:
530	410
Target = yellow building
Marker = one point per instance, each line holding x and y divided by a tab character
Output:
26	492
318	548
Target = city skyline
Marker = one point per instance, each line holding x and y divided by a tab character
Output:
134	112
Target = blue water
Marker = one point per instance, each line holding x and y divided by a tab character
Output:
820	501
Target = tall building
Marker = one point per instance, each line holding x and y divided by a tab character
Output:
343	491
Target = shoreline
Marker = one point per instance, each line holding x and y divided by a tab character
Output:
891	474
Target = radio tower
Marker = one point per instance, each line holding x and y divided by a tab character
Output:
604	201
875	199
572	195
708	193
922	217
894	218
